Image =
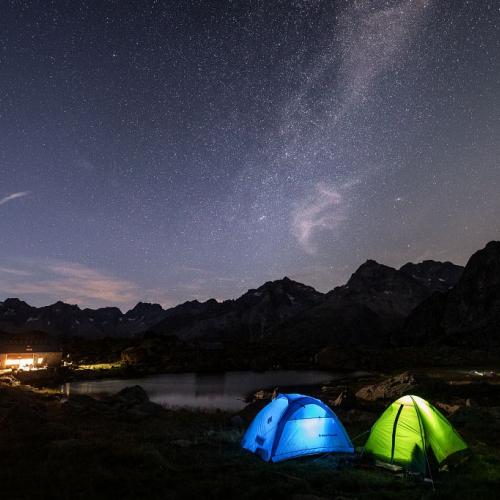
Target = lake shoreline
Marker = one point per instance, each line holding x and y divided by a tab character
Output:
248	386
219	391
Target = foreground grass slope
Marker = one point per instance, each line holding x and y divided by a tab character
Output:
128	448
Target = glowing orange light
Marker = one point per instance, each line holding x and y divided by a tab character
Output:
23	362
19	362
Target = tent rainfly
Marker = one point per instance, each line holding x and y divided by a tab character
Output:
408	430
293	425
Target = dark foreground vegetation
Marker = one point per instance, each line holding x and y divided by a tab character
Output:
124	446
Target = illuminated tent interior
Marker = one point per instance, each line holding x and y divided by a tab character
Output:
293	425
408	431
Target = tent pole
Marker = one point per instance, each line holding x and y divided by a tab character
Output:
422	435
394	429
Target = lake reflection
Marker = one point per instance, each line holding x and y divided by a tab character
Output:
224	391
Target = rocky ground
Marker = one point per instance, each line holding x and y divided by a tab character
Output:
124	446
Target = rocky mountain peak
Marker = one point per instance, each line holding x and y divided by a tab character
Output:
371	272
285	288
142	308
469	313
475	301
437	276
375	301
61	306
482	273
14	303
381	288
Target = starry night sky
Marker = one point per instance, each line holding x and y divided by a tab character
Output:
171	150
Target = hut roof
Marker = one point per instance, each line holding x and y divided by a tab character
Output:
28	342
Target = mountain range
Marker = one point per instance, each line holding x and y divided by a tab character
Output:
418	303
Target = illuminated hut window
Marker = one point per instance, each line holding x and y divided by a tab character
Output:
23	362
28	351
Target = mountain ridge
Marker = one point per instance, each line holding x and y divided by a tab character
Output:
253	315
468	314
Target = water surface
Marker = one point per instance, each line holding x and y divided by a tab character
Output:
224	391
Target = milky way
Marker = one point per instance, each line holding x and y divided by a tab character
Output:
165	151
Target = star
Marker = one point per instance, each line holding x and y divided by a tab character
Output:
249	140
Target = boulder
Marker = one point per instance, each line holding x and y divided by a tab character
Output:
131	396
135	401
391	388
448	409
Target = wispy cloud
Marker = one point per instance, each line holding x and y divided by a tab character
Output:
13	196
43	282
77	283
322	211
15	272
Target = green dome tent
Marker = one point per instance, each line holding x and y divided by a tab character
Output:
407	430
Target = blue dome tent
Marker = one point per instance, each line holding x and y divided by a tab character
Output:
293	425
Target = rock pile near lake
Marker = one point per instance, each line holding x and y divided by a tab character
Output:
131	402
392	388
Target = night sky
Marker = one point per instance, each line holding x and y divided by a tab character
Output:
171	150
